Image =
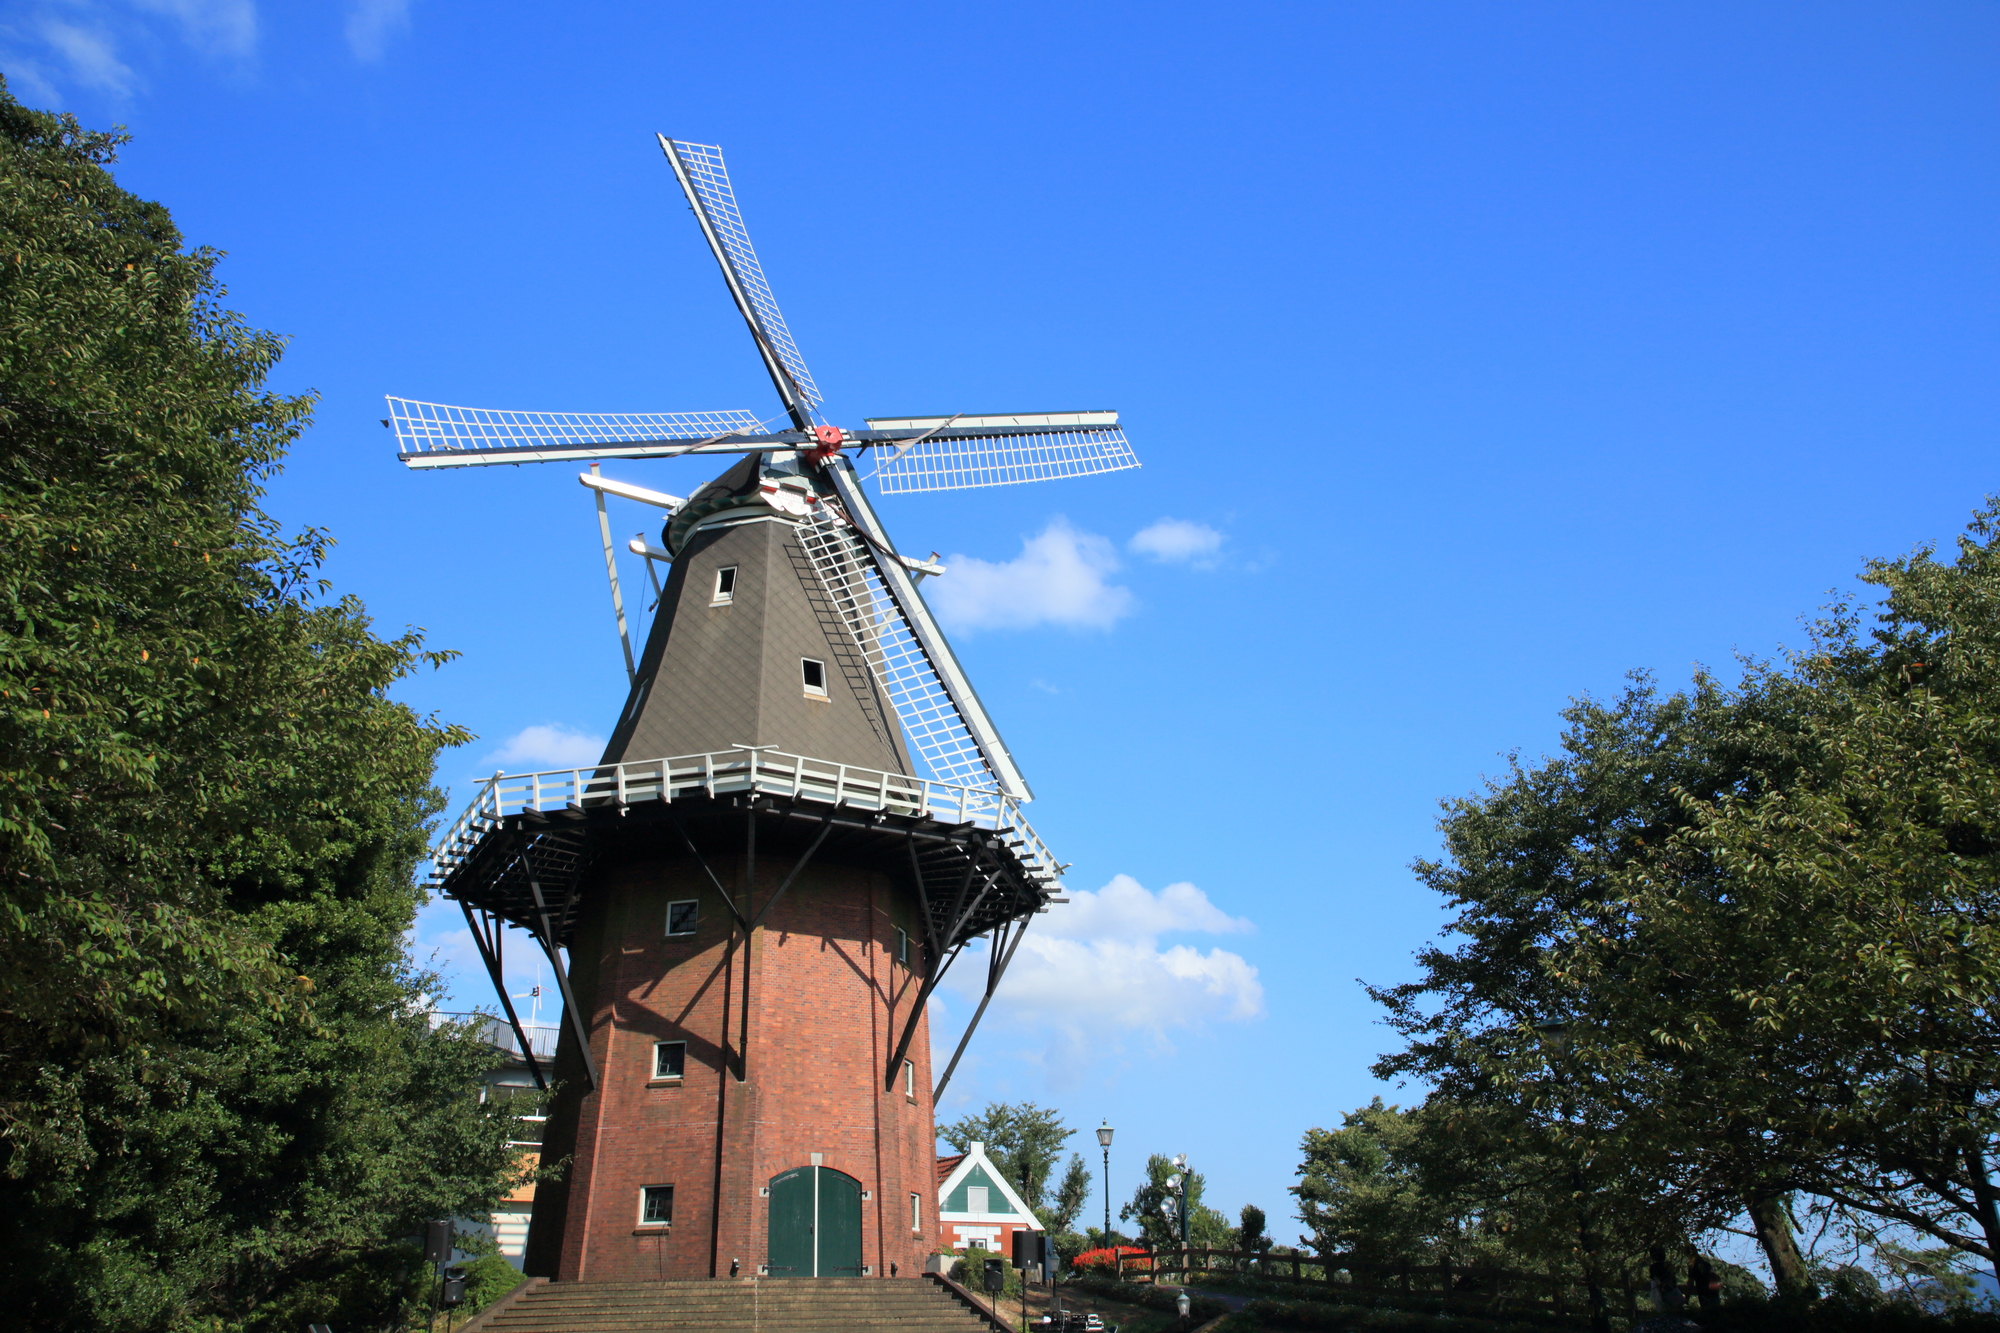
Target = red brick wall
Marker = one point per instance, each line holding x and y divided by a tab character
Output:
826	1004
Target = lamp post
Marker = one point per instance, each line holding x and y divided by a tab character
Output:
1180	1182
1104	1141
1177	1206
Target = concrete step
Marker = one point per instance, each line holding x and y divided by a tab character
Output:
768	1305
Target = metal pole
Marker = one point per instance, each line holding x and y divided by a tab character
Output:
1107	1194
611	569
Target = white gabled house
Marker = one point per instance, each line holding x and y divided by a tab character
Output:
977	1208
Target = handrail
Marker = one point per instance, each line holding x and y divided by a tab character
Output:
726	772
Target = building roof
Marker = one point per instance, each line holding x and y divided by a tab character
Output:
1003	1204
947	1165
721	670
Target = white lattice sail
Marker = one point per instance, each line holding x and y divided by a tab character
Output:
717	201
437	434
932	724
969	452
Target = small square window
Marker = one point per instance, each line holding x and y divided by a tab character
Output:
902	946
725	586
682	917
909	1078
669	1058
656	1205
814	674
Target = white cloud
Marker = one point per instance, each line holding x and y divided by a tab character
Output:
1124	910
92	58
83	43
541	747
1058	579
1177	540
370	24
218	27
1094	972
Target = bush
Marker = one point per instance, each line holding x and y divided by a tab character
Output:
1148	1296
968	1270
487	1280
1106	1260
1320	1315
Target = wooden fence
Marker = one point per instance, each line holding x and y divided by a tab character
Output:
1480	1286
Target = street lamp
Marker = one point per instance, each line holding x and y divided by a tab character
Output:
1104	1141
1178	1183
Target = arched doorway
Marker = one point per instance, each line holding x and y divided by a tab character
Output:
815	1224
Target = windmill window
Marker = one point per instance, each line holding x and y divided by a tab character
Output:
682	917
910	1079
902	946
725	586
656	1205
916	1212
669	1059
814	675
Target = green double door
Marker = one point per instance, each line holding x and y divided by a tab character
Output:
815	1224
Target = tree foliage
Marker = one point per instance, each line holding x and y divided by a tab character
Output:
1736	945
221	1097
1069	1197
1206	1226
1016	1135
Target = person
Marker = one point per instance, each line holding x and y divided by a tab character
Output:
1662	1287
1705	1282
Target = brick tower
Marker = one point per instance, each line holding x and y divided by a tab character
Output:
803	817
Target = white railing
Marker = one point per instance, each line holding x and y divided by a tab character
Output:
725	772
500	1034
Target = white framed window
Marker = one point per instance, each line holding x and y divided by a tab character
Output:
916	1212
910	1078
902	946
725	586
669	1059
812	672
683	917
656	1205
975	1199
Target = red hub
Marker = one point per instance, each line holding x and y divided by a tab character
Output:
829	438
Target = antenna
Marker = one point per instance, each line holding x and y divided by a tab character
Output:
533	993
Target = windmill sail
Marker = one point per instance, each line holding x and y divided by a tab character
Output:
943	721
436	435
965	452
705	180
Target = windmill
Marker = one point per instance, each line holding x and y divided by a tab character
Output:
794	700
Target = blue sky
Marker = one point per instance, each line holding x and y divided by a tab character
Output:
1477	354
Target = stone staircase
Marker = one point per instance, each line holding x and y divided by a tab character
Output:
767	1305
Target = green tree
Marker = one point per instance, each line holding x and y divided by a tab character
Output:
221	1097
1359	1191
1071	1193
1535	865
1015	1135
1250	1235
1158	1231
1763	919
